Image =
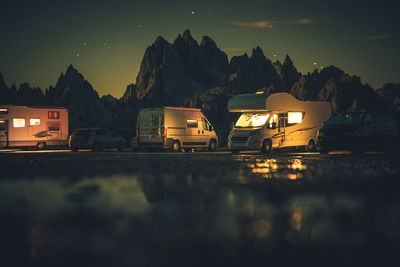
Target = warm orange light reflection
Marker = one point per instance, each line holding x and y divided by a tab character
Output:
291	169
296	164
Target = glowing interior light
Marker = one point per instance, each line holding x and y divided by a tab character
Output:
252	120
295	117
34	122
18	122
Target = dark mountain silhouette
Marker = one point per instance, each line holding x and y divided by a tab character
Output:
24	95
391	93
186	73
78	96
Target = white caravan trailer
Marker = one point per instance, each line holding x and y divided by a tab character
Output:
273	121
25	126
174	128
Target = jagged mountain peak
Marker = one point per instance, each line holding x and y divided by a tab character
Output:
160	41
287	60
207	42
257	52
187	36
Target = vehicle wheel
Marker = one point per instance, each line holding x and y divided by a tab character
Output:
96	147
266	146
41	145
235	151
74	149
121	147
310	146
176	146
212	146
324	151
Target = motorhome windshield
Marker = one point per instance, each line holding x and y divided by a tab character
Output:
344	119
251	120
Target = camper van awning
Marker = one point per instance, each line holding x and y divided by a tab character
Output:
248	103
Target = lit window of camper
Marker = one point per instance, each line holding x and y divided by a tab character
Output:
18	122
192	124
206	125
54	127
34	121
54	115
252	120
3	110
295	117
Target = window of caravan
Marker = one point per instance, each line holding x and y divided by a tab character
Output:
18	122
3	110
295	117
3	125
34	121
54	115
54	127
344	119
192	124
206	125
252	120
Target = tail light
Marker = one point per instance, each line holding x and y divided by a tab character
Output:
164	132
137	131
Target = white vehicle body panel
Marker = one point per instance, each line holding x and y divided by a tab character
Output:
160	127
280	106
22	126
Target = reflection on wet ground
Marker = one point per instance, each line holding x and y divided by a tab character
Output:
199	209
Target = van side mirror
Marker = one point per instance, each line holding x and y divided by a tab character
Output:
273	125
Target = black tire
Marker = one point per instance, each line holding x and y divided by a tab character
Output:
96	147
212	146
310	147
176	147
74	149
235	151
266	146
41	145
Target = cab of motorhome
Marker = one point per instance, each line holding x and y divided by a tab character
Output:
274	121
33	126
174	128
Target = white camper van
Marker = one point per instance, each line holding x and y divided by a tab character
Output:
40	127
273	121
174	128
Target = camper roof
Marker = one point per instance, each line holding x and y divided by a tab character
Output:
261	102
269	102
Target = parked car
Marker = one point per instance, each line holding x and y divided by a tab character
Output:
95	139
358	132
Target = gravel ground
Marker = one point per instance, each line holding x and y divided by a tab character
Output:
195	209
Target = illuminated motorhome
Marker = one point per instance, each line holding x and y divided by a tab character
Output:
40	127
273	121
174	128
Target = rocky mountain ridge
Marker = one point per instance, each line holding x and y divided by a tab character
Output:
186	73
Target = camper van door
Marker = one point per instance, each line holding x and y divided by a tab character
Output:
193	130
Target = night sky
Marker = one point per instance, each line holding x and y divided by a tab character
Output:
106	40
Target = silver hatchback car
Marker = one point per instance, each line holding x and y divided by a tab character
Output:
95	139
